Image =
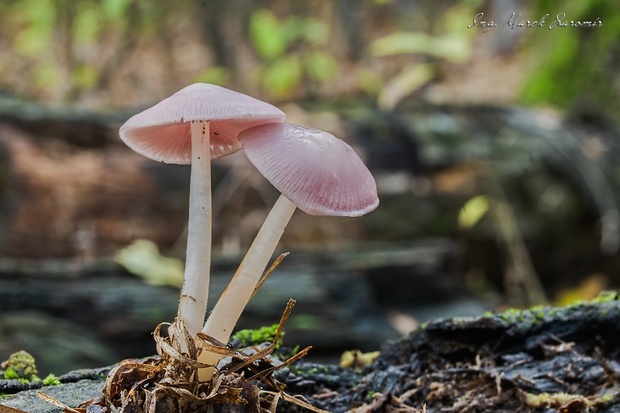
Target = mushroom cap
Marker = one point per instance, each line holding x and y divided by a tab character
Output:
318	172
163	132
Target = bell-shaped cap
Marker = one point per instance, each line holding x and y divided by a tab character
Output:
318	172
163	132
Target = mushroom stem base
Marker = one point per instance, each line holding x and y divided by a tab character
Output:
231	304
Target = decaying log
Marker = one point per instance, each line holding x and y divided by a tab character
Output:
342	300
544	359
541	359
78	127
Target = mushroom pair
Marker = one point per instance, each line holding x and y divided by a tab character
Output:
198	123
313	170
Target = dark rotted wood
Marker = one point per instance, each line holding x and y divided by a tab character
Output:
543	359
78	127
341	303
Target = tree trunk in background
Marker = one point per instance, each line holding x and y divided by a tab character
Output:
224	27
349	15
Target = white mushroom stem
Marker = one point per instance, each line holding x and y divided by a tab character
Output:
233	300
193	302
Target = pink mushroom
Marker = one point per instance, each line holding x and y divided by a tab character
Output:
315	172
196	124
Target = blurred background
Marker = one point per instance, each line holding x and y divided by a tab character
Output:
494	147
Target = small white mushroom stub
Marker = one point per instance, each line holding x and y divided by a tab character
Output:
318	172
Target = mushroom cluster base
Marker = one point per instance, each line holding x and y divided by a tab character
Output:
547	359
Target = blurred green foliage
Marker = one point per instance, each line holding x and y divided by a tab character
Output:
292	50
142	258
473	210
576	66
383	49
74	43
217	75
448	42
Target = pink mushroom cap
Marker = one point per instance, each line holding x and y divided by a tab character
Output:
163	132
318	172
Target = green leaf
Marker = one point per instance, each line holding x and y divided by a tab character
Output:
401	43
315	31
85	76
452	47
292	29
473	211
46	74
267	35
37	36
217	75
404	84
115	9
369	81
281	77
142	258
87	25
320	66
452	19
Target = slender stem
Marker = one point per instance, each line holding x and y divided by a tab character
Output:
233	300
193	302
